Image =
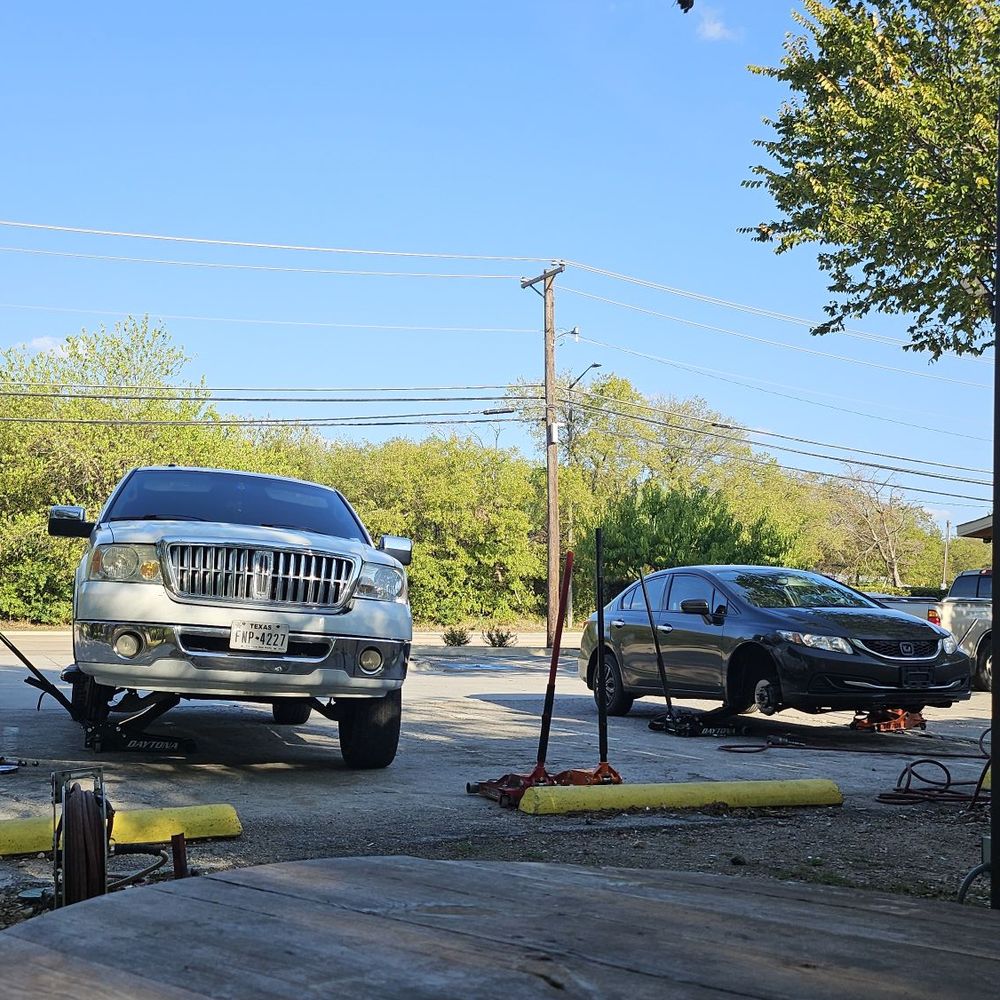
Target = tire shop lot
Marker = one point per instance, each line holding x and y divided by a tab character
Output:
473	713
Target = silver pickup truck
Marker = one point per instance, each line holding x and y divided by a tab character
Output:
967	612
205	583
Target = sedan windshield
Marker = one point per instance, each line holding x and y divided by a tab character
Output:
781	588
231	498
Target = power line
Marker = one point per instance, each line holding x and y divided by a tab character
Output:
773	343
752	310
813	472
786	437
777	447
265	246
116	397
199	388
368	420
249	267
733	379
272	322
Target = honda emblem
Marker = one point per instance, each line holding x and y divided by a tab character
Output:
263	563
906	648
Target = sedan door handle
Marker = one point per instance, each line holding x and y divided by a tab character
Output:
618	623
664	628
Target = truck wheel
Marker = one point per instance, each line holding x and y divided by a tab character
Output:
617	701
983	679
90	700
291	711
369	730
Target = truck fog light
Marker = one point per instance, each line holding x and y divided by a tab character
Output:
370	660
128	644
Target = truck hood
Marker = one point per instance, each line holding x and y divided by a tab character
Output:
861	623
214	532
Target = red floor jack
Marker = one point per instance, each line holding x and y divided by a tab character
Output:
887	720
604	773
508	788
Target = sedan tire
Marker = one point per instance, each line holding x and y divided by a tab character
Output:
617	701
369	730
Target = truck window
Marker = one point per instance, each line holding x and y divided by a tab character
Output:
965	586
986	586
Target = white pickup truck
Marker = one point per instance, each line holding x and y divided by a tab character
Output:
967	612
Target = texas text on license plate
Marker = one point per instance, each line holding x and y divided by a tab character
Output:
259	635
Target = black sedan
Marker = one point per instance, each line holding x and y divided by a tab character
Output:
774	638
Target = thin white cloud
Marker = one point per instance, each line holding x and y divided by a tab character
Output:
711	26
43	344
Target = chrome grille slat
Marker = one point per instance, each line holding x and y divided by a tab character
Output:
222	572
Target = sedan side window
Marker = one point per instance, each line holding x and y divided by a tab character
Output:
687	588
627	598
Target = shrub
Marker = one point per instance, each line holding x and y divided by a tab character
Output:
457	636
499	636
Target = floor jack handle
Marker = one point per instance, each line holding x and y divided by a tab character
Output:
602	681
550	690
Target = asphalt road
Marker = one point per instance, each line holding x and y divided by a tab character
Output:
469	714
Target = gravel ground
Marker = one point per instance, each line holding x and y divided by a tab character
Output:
922	850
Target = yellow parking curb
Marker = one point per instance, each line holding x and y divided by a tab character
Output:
986	780
133	826
550	799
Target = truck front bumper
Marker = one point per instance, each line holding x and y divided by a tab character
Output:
196	660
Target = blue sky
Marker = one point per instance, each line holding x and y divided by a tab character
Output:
615	134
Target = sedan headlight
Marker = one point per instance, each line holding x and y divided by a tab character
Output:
950	643
125	564
381	583
833	643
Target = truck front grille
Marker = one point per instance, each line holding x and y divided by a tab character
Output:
242	574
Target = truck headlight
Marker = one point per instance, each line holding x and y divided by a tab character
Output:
834	643
381	583
125	564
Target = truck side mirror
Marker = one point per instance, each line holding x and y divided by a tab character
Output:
69	522
397	547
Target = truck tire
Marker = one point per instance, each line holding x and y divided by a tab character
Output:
90	700
291	711
369	730
983	679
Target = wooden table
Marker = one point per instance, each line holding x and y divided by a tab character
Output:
404	927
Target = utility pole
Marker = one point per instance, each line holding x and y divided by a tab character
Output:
547	279
944	570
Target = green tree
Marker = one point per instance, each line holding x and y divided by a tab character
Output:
650	528
885	156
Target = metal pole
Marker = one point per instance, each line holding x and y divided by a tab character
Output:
994	640
602	682
944	568
547	278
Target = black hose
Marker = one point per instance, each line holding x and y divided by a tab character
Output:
966	885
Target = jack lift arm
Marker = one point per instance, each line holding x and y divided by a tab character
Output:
127	735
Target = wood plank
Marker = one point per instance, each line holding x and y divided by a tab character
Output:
389	926
34	972
228	948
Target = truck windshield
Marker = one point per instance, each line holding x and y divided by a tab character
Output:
764	588
233	498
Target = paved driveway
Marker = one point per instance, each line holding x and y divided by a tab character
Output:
468	714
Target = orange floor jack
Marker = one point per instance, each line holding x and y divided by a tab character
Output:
888	720
508	789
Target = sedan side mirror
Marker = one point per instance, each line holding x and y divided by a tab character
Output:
397	547
69	522
696	606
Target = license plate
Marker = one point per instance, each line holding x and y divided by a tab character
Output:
259	636
915	678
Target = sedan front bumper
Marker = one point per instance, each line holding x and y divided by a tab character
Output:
821	679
